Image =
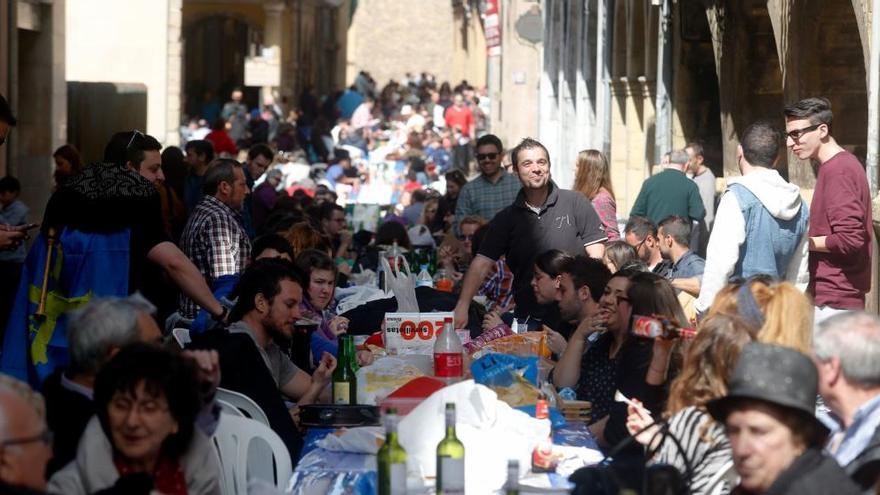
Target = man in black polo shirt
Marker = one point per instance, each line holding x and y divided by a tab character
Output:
542	217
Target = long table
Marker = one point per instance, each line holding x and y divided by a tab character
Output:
320	471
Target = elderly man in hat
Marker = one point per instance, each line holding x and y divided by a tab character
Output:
775	437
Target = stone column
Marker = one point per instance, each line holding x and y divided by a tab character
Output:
272	36
174	78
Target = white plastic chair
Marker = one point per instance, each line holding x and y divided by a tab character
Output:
241	445
227	408
181	336
244	403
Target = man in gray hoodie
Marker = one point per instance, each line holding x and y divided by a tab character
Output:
763	221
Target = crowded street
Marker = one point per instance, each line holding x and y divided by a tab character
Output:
560	246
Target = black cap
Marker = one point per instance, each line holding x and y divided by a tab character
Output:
774	374
6	112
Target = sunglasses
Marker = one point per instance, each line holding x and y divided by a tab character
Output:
486	156
798	133
465	237
135	134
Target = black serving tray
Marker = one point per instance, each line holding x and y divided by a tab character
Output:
332	416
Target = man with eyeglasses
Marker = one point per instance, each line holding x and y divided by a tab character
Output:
25	441
840	212
493	190
641	234
763	221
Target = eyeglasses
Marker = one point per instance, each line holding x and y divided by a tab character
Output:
44	436
465	237
486	156
796	134
135	134
640	244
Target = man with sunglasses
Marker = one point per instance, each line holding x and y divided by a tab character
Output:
840	212
493	190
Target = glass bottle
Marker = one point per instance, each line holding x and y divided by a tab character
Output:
391	460
450	458
344	378
512	485
542	456
652	327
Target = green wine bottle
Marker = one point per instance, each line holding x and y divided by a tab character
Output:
392	460
352	353
450	458
344	378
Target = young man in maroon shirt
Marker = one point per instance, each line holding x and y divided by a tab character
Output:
840	214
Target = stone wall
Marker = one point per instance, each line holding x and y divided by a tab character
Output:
389	38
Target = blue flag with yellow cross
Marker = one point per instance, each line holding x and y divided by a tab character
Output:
82	265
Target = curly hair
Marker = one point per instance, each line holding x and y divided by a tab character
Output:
708	362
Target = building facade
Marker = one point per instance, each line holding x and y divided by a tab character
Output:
636	78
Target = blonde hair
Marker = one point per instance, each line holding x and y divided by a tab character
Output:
592	173
788	313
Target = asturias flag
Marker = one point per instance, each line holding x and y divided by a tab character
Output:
83	265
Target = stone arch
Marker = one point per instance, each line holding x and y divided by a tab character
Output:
828	62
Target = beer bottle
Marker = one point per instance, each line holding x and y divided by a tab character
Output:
450	458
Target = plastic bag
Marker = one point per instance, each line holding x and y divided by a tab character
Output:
387	374
362	440
500	369
403	284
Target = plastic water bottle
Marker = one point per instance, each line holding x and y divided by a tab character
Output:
424	279
448	358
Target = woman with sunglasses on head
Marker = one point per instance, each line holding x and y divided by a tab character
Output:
782	314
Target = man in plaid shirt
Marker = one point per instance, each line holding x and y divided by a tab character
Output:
493	190
214	237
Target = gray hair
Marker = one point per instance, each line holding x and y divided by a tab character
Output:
23	391
678	157
100	325
854	338
220	170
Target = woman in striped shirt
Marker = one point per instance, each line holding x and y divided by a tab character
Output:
703	449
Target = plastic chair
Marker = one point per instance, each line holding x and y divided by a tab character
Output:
241	445
244	403
181	336
227	408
